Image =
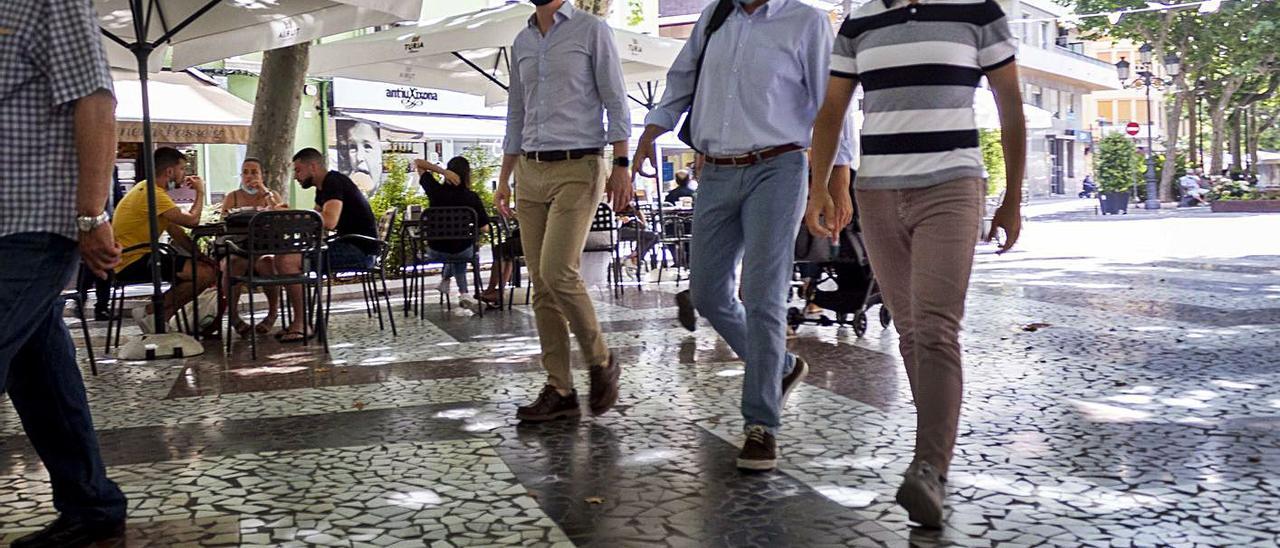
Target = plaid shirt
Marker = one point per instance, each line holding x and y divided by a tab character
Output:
50	55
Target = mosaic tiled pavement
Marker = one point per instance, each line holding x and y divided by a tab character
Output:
1147	413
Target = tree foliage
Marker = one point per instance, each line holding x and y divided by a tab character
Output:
1117	164
993	160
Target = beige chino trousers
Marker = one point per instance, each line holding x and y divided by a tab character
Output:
555	203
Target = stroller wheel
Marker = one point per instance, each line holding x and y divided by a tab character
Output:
885	318
860	324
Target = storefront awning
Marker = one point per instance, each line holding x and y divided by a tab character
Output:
184	109
418	127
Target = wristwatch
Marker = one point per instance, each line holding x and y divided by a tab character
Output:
86	223
621	161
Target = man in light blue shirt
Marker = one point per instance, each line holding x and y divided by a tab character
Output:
763	77
565	76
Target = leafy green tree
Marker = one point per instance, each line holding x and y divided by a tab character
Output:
396	192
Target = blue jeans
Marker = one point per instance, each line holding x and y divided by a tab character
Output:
453	268
345	256
38	370
757	208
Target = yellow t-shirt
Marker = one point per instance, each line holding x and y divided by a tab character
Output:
130	222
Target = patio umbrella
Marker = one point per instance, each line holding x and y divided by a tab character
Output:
226	28
470	53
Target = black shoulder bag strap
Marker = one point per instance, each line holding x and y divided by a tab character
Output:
721	13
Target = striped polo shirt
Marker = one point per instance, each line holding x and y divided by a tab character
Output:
919	65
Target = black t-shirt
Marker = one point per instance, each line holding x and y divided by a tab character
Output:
357	217
448	195
676	193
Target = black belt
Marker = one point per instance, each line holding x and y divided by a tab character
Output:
562	155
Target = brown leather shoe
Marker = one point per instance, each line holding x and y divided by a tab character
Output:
604	386
550	406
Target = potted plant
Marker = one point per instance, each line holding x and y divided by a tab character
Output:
1118	169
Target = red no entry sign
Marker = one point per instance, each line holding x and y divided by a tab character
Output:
1131	128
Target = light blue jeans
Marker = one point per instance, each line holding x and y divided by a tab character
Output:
757	208
456	270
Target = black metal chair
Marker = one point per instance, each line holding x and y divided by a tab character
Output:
605	222
676	236
78	297
506	232
371	275
119	286
292	232
439	224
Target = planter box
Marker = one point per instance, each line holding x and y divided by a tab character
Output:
1246	206
1113	203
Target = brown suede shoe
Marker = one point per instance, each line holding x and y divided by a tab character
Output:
604	386
550	406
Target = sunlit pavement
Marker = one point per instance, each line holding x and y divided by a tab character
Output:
1142	409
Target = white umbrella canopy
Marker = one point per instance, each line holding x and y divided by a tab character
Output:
469	53
226	28
200	31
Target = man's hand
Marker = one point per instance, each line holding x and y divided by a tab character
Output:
820	216
844	208
502	199
1008	217
452	178
618	188
644	151
195	183
99	250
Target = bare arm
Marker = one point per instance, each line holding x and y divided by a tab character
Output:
331	212
1013	137
823	215
182	218
95	123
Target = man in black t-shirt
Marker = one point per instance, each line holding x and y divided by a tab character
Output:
345	211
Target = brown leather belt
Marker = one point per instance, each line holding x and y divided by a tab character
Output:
752	158
562	155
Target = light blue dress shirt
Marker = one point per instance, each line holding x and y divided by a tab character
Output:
563	83
763	79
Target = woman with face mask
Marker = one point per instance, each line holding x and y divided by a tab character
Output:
252	194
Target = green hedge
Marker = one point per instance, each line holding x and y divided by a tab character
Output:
1117	164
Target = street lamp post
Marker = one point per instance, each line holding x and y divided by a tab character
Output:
1148	79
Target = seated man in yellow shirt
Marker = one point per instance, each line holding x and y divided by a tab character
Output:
132	229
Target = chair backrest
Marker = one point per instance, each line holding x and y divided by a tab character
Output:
285	232
449	223
646	209
605	220
386	223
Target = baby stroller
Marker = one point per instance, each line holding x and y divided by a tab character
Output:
840	281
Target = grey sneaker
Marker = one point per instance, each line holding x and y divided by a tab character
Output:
921	495
759	450
791	381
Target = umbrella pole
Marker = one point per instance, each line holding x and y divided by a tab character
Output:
142	51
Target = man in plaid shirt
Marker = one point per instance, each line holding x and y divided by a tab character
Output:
57	147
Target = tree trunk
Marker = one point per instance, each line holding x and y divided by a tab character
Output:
1219	120
1193	127
1171	145
1237	159
275	112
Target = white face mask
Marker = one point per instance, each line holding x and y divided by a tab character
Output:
250	190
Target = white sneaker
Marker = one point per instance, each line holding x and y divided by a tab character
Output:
468	303
445	285
146	322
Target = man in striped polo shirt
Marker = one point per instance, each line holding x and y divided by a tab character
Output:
920	188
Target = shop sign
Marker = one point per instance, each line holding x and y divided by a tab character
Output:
379	96
162	132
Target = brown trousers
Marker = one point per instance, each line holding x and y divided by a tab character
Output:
920	242
555	203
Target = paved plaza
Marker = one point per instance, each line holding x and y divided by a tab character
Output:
1122	389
